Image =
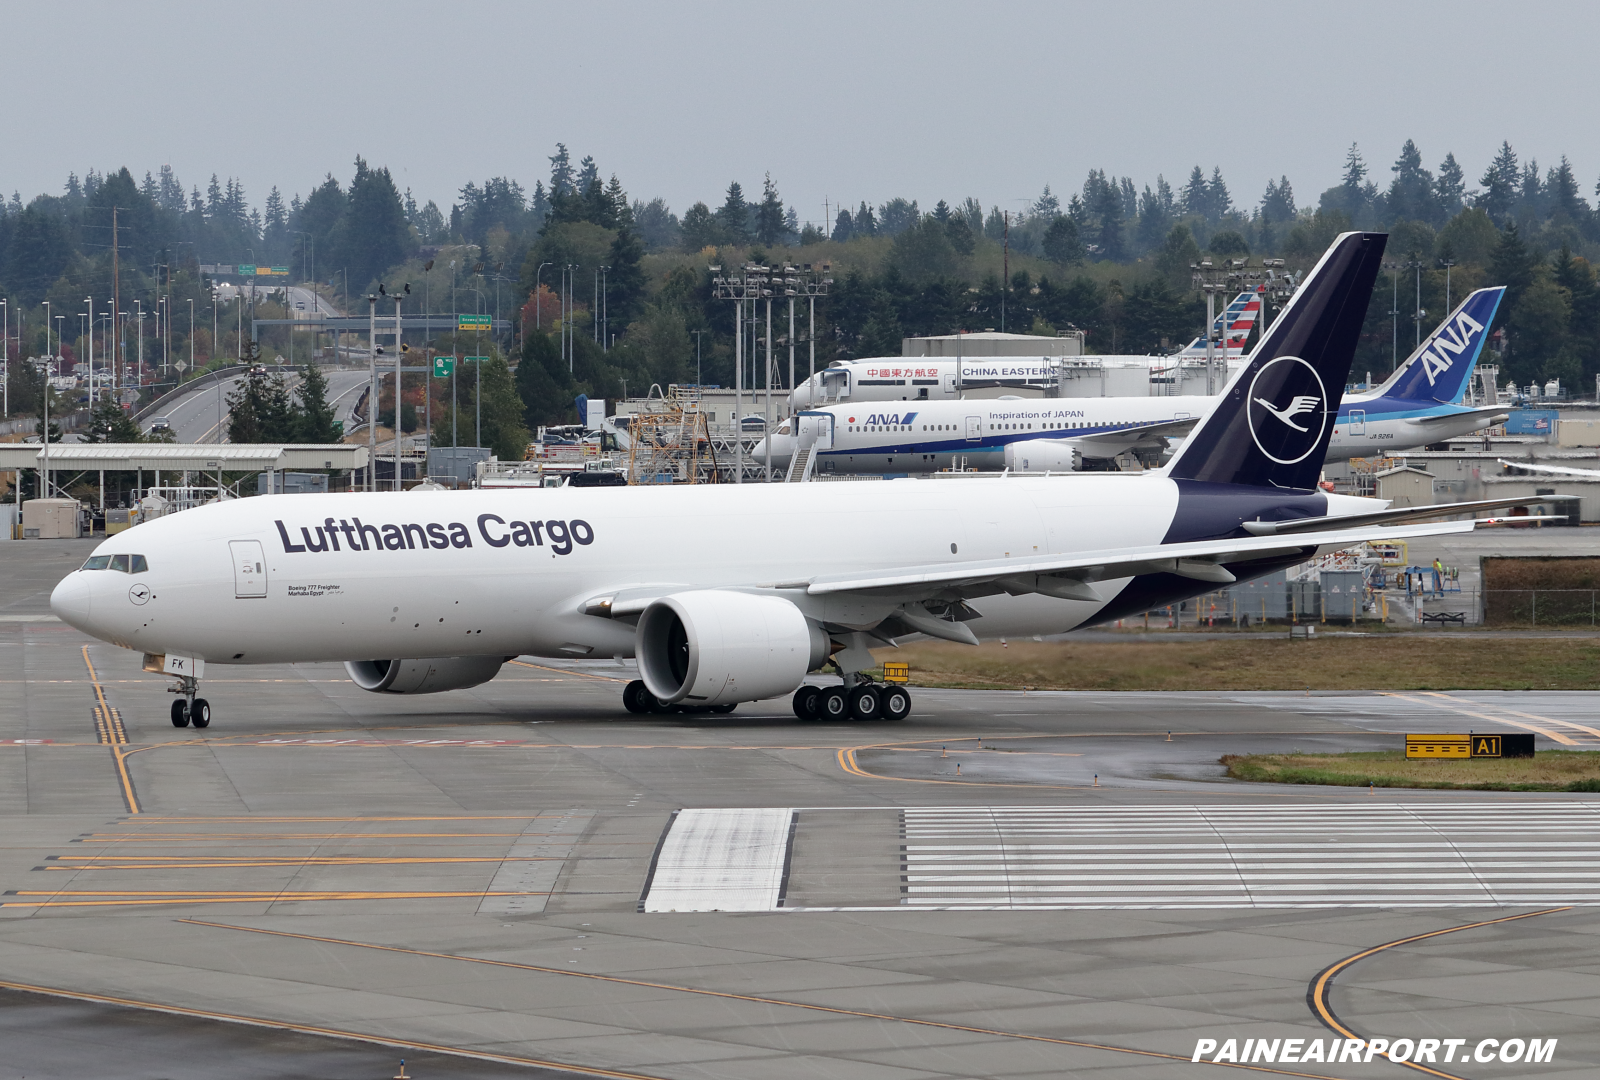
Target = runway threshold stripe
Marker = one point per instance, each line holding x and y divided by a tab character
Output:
753	998
1317	993
313	1029
1391	854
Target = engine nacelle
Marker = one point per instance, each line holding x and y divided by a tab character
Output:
428	675
714	647
1044	455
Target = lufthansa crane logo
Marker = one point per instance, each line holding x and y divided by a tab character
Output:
1287	409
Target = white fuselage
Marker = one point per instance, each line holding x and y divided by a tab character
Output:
470	597
916	379
928	437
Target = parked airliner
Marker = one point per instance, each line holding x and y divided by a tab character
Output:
901	378
728	594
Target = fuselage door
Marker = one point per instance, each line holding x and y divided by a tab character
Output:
1358	422
974	428
249	568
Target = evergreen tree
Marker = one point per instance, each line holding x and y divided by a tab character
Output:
275	225
562	180
260	410
1411	192
1195	197
770	227
941	210
542	384
1566	201
372	235
1511	266
1500	182
504	431
844	228
1061	243
700	228
733	216
1450	187
109	422
1046	205
1218	201
313	419
866	222
625	281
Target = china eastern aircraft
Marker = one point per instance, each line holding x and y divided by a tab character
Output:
899	378
1416	405
727	594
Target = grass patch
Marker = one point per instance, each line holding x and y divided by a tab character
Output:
1249	662
1548	770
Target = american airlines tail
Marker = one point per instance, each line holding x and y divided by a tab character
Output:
1273	420
1231	328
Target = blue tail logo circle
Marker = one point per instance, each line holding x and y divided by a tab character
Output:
1287	409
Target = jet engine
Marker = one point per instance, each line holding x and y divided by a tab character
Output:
1044	455
428	675
715	647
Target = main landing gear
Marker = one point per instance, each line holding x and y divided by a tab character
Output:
861	701
637	698
189	709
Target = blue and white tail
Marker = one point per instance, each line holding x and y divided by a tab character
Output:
1441	366
1232	329
1272	423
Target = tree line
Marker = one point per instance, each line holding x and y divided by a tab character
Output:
1111	259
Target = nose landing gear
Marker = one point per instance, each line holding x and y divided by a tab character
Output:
189	709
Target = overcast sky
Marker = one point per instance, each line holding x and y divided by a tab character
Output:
838	101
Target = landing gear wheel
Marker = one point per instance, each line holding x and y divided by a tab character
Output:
808	702
200	713
654	704
895	701
634	697
833	704
180	713
724	710
865	702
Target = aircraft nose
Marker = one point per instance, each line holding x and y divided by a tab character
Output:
70	600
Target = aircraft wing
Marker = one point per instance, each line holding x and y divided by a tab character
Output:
1385	517
1491	414
1158	430
1201	560
1552	470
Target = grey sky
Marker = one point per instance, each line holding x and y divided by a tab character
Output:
843	101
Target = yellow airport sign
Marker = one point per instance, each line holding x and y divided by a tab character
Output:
896	672
1453	746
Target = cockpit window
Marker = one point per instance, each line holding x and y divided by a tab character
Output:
128	564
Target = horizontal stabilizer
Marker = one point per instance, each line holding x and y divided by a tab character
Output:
1382	517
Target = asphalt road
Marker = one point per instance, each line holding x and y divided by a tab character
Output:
481	872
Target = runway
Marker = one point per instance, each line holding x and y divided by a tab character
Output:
492	877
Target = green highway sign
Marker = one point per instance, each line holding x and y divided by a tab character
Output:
472	322
247	270
443	366
474	359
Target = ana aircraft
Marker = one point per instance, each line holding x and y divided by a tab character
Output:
1416	405
728	594
899	378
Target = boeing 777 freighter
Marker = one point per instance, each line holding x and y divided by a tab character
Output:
729	594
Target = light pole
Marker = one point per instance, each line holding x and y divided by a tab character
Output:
44	436
5	358
604	313
538	322
1447	264
191	333
567	336
1416	318
698	334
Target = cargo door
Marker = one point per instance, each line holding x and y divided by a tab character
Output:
249	568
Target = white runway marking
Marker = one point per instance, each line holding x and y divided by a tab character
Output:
721	860
1336	855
